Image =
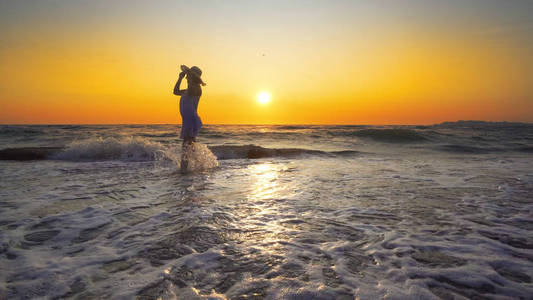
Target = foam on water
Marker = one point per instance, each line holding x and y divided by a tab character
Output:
198	158
114	220
137	149
127	148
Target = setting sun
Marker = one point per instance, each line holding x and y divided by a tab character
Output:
263	97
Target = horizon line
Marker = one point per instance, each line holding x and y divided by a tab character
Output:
254	124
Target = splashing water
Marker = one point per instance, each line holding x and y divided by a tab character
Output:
197	157
126	149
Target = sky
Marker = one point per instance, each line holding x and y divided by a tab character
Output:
322	62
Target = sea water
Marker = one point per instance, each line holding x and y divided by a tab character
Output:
267	212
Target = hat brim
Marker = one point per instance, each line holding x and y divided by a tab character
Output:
192	72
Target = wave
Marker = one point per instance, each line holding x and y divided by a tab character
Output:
292	127
127	149
140	149
253	151
159	135
454	148
525	149
94	149
389	135
29	153
14	130
474	124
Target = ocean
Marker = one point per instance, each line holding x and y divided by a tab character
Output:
267	212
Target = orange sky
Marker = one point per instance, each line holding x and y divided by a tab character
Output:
324	62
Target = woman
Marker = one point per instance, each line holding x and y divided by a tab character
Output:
190	97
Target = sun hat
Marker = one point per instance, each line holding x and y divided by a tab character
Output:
194	71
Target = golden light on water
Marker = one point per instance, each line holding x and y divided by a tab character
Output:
265	195
265	184
263	97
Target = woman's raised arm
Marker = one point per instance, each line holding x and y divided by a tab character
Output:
177	90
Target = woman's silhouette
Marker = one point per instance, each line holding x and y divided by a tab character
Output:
190	97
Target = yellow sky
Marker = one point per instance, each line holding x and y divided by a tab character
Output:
337	63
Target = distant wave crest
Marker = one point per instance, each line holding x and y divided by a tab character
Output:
467	149
389	135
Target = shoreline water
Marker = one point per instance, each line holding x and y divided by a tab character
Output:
367	212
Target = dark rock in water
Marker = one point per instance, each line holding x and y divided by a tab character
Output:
437	259
41	236
28	153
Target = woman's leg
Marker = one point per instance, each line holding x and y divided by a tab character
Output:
188	141
184	156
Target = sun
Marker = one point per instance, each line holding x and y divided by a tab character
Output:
263	97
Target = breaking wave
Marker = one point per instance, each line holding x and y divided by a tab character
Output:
126	149
140	149
253	151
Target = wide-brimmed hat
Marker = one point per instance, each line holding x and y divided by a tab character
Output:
195	71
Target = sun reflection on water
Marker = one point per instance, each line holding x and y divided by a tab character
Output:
264	181
267	196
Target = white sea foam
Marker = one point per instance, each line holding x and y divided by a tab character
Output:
127	148
267	224
198	157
